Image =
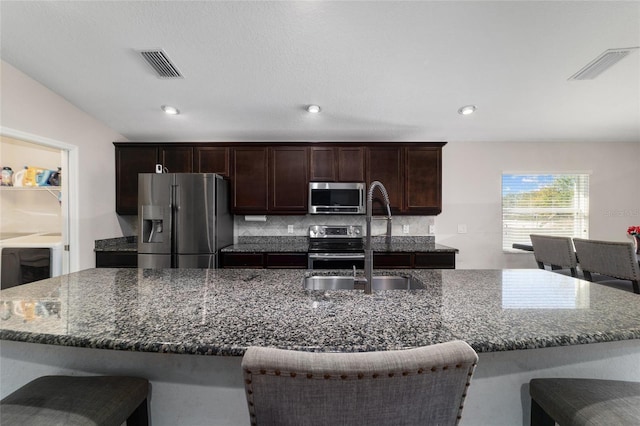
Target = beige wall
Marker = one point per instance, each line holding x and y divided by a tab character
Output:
27	106
472	192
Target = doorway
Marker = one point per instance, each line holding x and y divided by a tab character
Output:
44	213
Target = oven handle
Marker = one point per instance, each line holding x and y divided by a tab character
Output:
345	256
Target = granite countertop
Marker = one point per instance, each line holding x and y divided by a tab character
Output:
301	245
222	312
296	244
117	244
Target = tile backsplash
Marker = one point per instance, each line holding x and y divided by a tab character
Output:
246	226
260	226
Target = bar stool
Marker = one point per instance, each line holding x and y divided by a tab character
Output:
584	402
420	386
77	400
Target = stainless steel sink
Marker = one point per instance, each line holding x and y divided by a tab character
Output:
380	282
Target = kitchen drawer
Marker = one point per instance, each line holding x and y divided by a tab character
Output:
242	260
435	260
286	260
116	259
392	260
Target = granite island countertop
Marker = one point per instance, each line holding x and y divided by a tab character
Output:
222	312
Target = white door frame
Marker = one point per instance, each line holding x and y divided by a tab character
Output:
69	188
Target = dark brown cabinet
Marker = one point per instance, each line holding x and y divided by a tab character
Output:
350	164
270	180
322	164
289	175
131	160
116	259
250	179
336	164
385	164
264	260
422	185
176	159
273	178
418	260
211	160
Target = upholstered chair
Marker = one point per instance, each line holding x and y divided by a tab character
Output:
555	252
421	386
609	262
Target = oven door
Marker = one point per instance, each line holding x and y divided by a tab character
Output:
336	261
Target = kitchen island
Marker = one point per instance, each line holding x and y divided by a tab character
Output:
166	324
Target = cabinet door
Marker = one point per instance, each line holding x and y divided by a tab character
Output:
250	180
384	164
393	260
212	160
289	180
323	164
129	162
286	260
177	159
435	260
350	164
242	260
423	188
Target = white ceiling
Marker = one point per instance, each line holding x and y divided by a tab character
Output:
382	70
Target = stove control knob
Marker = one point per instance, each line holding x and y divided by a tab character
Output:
322	231
356	231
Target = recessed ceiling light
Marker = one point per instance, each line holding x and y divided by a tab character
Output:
168	109
313	109
467	109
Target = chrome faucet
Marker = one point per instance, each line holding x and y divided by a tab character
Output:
368	251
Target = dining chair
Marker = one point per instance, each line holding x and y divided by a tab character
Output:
613	262
555	252
425	385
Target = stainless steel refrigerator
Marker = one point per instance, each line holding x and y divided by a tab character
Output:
184	219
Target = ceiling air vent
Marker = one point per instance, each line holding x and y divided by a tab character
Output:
160	63
602	63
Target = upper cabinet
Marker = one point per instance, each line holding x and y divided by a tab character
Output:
131	160
274	178
336	164
385	164
250	180
211	160
288	180
422	180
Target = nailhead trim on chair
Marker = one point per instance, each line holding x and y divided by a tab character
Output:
357	376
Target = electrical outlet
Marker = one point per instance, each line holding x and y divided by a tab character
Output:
462	229
432	229
290	229
405	229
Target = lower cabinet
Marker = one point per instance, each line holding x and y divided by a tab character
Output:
116	259
264	260
420	260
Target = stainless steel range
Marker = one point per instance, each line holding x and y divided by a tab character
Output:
336	247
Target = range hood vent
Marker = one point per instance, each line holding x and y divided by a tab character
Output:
160	63
602	63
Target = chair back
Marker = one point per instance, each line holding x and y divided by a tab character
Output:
611	258
554	251
426	385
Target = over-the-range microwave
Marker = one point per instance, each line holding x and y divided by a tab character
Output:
336	198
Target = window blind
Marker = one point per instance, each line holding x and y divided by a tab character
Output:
549	204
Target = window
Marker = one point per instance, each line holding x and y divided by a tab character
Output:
550	204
